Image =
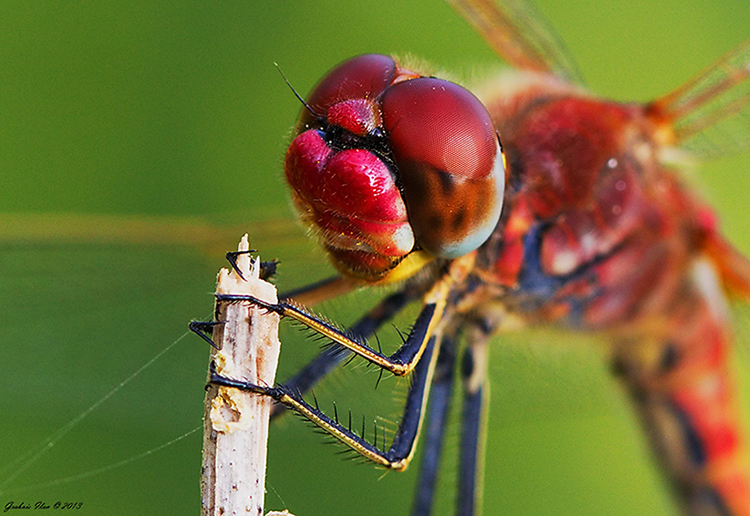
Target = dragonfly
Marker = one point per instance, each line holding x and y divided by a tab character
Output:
132	300
581	219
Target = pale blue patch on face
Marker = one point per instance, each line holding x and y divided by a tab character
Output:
482	232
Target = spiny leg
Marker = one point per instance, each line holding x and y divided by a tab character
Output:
332	356
440	397
399	363
313	293
402	448
405	358
476	391
417	354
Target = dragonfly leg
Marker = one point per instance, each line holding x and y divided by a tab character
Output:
400	363
401	450
332	356
403	361
475	386
204	329
440	397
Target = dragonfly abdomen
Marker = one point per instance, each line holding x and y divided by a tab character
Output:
679	379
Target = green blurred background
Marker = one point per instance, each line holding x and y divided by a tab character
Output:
140	139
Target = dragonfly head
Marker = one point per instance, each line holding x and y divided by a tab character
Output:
393	169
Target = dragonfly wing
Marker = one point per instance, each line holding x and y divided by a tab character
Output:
141	230
520	35
710	114
89	300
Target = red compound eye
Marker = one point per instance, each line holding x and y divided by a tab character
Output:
361	77
449	161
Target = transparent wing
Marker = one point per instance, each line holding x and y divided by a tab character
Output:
79	317
520	35
711	113
141	230
87	301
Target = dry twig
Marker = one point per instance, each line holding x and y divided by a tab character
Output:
236	422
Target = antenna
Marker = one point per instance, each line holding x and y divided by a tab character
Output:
299	97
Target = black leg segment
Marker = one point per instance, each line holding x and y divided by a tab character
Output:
334	355
437	415
402	448
472	418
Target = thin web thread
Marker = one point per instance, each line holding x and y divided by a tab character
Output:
46	444
104	469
